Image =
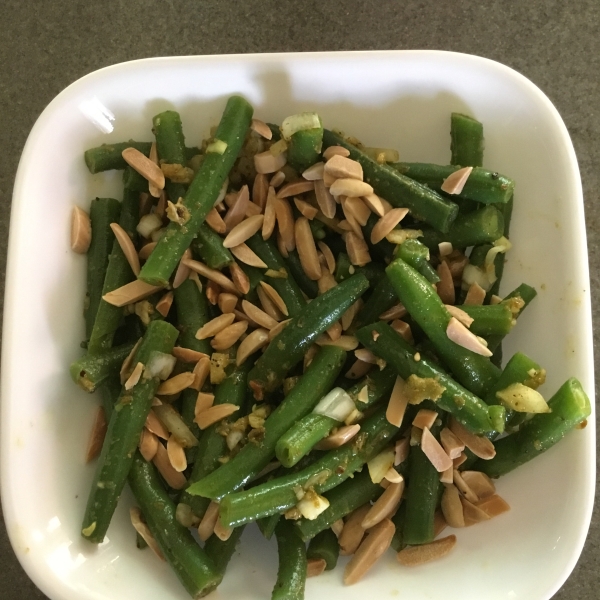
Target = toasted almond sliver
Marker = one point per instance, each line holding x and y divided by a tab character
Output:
434	451
460	335
97	434
335	151
357	249
339	438
480	446
222	532
153	425
258	316
451	444
260	189
261	128
307	249
275	297
237	212
295	187
455	182
445	248
258	339
213	290
183	271
247	256
346	342
337	527
277	179
176	384
273	333
243	231
314	172
342	167
187	355
241	281
375	544
127	247
315	566
215	413
459	314
130	292
208	522
401	450
385	506
176	455
403	328
425	418
307	210
495	299
153	156
229	336
144	166
326	281
203	402
215	221
161	461
349	316
460	460
452	507
375	204
335	331
387	223
393	476
285	222
135	514
164	304
81	230
463	487
366	356
473	514
214	326
396	312
268	305
447	476
253	209
227	302
445	286
493	506
146	250
358	209
134	378
352	533
212	274
475	296
148	445
418	555
350	223
266	162
270	214
328	254
325	200
480	483
397	403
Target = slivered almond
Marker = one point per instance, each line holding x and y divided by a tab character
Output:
358	209
227	302
335	151
201	372
397	403
187	355
445	286
374	545
208	522
97	434
285	222
229	336
148	445
463	487
81	230
266	162
295	187
328	180
335	331
447	476
214	414
146	203
315	566
373	201
146	251
215	221
493	506
281	246
153	425
203	402
277	179
326	281
480	483
393	476
337	527
161	461
161	205
135	515
144	166
387	223
396	312
350	223
346	342
401	450
339	438
307	210
403	328
176	455
349	316
366	356
213	290
475	296
309	355
445	248
253	210
328	254
275	297
459	314
183	271
357	249
495	299
325	200
244	254
258	315
425	418
256	340
434	452
153	156
460	460
222	532
164	304
460	335
241	281
473	514
261	128
134	378
243	231
479	446
214	326
273	333
212	274
352	533
175	384
237	212
127	247
455	182
130	292
307	249
270	214
385	506
268	304
342	167
260	189
419	555
451	444
314	172
350	187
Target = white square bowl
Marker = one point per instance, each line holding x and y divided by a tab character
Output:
389	99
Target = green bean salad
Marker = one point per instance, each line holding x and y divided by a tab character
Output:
292	329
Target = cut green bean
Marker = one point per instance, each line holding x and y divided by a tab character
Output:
324	546
382	298
345	269
291	575
110	390
133	181
91	370
208	248
467	141
495	319
192	313
398	520
110	156
267	525
417	256
384	249
220	551
304	147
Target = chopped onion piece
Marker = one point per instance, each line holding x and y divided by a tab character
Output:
381	464
217	147
399	236
160	365
299	122
312	505
337	405
382	154
148	225
473	274
501	245
521	398
173	422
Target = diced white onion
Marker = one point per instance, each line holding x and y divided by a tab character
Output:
389	154
399	236
156	235
148	224
337	405
501	245
299	122
278	148
473	274
160	365
217	147
521	398
381	464
312	505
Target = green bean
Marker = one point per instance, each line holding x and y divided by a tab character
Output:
103	212
110	390
467	141
500	259
170	142
304	148
382	298
123	435
473	371
495	319
191	564
220	551
399	354
91	370
345	269
255	276
208	248
424	204
133	181
318	229
398	521
498	418
118	273
570	407
307	285
110	156
253	458
267	525
343	499
192	313
288	348
324	546
417	256
291	575
287	287
201	194
329	471
482	185
384	249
